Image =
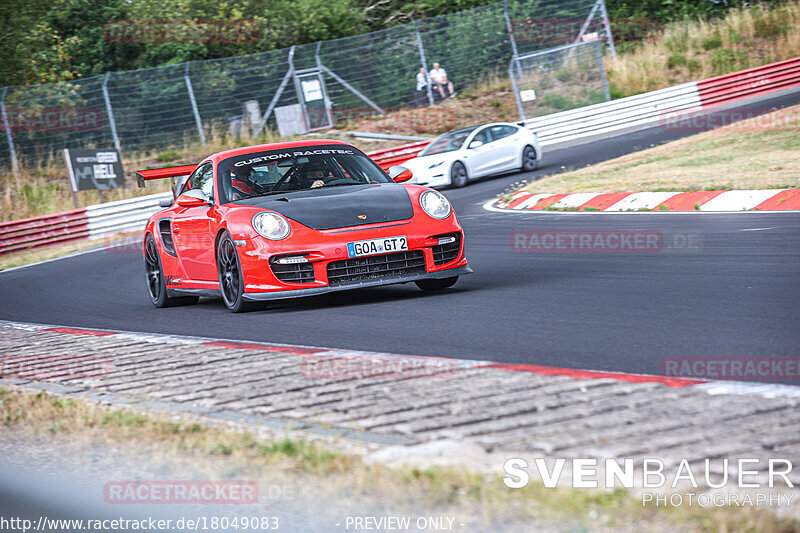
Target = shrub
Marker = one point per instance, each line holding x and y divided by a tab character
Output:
725	60
693	65
563	75
36	196
678	43
615	91
169	155
676	60
769	25
557	101
712	43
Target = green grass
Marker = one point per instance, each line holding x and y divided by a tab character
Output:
751	154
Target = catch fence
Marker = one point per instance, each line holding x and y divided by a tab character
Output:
295	90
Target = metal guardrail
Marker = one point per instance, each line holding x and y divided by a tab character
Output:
749	83
608	117
59	228
395	156
642	110
386	136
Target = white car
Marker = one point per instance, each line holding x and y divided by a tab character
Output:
471	153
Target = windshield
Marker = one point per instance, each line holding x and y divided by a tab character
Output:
296	169
448	142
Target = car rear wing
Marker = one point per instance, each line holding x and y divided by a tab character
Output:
163	173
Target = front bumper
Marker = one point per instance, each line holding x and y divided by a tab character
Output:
388	280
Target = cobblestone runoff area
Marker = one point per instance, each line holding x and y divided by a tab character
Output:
375	401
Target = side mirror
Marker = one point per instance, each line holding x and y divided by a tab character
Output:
400	174
193	198
166	202
475	144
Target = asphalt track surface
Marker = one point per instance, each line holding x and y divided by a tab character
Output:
734	293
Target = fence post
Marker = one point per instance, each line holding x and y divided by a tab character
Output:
585	25
510	31
424	63
353	90
289	74
328	106
9	137
515	88
110	113
599	54
195	111
607	26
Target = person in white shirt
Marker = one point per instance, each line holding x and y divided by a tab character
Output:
422	79
440	81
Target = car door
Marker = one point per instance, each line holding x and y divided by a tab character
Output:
191	228
506	147
478	155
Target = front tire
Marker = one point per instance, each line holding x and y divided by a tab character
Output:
529	161
231	281
156	282
436	284
458	174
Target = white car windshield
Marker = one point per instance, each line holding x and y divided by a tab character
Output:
448	142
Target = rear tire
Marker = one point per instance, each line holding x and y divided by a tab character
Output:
529	161
156	283
231	281
436	284
458	174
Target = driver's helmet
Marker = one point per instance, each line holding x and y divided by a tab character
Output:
313	172
240	179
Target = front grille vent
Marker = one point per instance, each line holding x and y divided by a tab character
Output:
292	272
444	253
375	267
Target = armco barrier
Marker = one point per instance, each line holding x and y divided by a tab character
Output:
59	228
639	111
749	83
609	117
395	156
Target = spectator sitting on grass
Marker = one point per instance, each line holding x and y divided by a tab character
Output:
439	77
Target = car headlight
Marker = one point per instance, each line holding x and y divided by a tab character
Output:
271	225
435	204
440	163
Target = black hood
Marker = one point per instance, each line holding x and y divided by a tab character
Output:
339	207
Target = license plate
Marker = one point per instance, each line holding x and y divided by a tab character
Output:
386	245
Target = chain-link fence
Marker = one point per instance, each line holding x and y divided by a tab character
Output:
559	79
294	90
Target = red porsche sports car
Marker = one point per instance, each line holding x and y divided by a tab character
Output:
295	219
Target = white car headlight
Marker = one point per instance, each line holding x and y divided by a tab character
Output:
435	204
434	165
271	225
